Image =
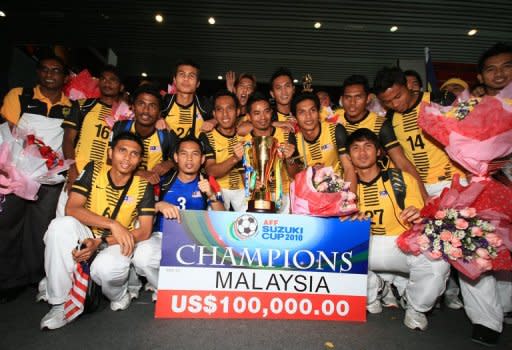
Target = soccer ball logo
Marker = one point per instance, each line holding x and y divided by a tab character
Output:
245	226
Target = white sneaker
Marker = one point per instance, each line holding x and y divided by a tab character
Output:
121	304
148	287
54	318
375	307
415	320
134	293
41	291
154	296
453	302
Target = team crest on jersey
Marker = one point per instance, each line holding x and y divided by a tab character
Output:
154	148
66	111
383	193
326	147
196	194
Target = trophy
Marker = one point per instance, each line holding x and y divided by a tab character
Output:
264	153
307	81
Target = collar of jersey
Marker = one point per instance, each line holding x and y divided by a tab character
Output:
372	181
111	183
418	101
359	121
316	138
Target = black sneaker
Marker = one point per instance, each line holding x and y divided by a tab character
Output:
485	336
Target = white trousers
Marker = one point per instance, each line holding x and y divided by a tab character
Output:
109	269
235	198
427	278
482	302
61	204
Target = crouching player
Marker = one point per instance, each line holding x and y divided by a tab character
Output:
110	213
392	200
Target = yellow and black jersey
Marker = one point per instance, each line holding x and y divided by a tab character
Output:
281	117
282	136
326	149
158	147
93	131
184	120
429	158
102	195
377	200
219	147
381	126
31	100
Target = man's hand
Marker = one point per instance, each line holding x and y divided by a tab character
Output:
72	175
208	125
205	187
123	237
238	150
151	176
168	210
244	128
161	124
288	125
410	215
84	254
285	150
162	168
230	81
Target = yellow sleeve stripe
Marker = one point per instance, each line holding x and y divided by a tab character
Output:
391	144
69	122
147	211
79	188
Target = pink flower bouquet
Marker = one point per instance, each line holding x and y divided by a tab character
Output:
321	192
82	85
120	111
473	241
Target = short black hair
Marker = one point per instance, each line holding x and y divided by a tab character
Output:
387	77
253	98
363	134
222	93
187	62
251	77
112	69
189	138
53	57
413	73
147	89
302	97
280	72
495	50
126	135
356	79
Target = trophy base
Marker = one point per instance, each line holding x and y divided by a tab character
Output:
261	206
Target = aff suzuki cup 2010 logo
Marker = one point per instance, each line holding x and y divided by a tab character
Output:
245	226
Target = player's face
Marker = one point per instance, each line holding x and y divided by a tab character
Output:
146	108
497	71
261	115
282	90
455	89
244	88
397	98
126	156
413	84
187	79
363	154
354	101
51	74
110	85
189	158
225	112
307	116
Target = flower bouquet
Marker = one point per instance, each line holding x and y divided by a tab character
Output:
321	192
476	133
120	111
82	85
473	240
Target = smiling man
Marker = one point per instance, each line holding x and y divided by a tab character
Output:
158	144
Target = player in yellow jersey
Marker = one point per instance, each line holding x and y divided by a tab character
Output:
184	112
158	144
355	98
392	200
104	204
432	163
224	150
260	115
495	68
319	142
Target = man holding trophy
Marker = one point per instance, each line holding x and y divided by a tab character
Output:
269	160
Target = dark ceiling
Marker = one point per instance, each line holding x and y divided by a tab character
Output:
258	36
